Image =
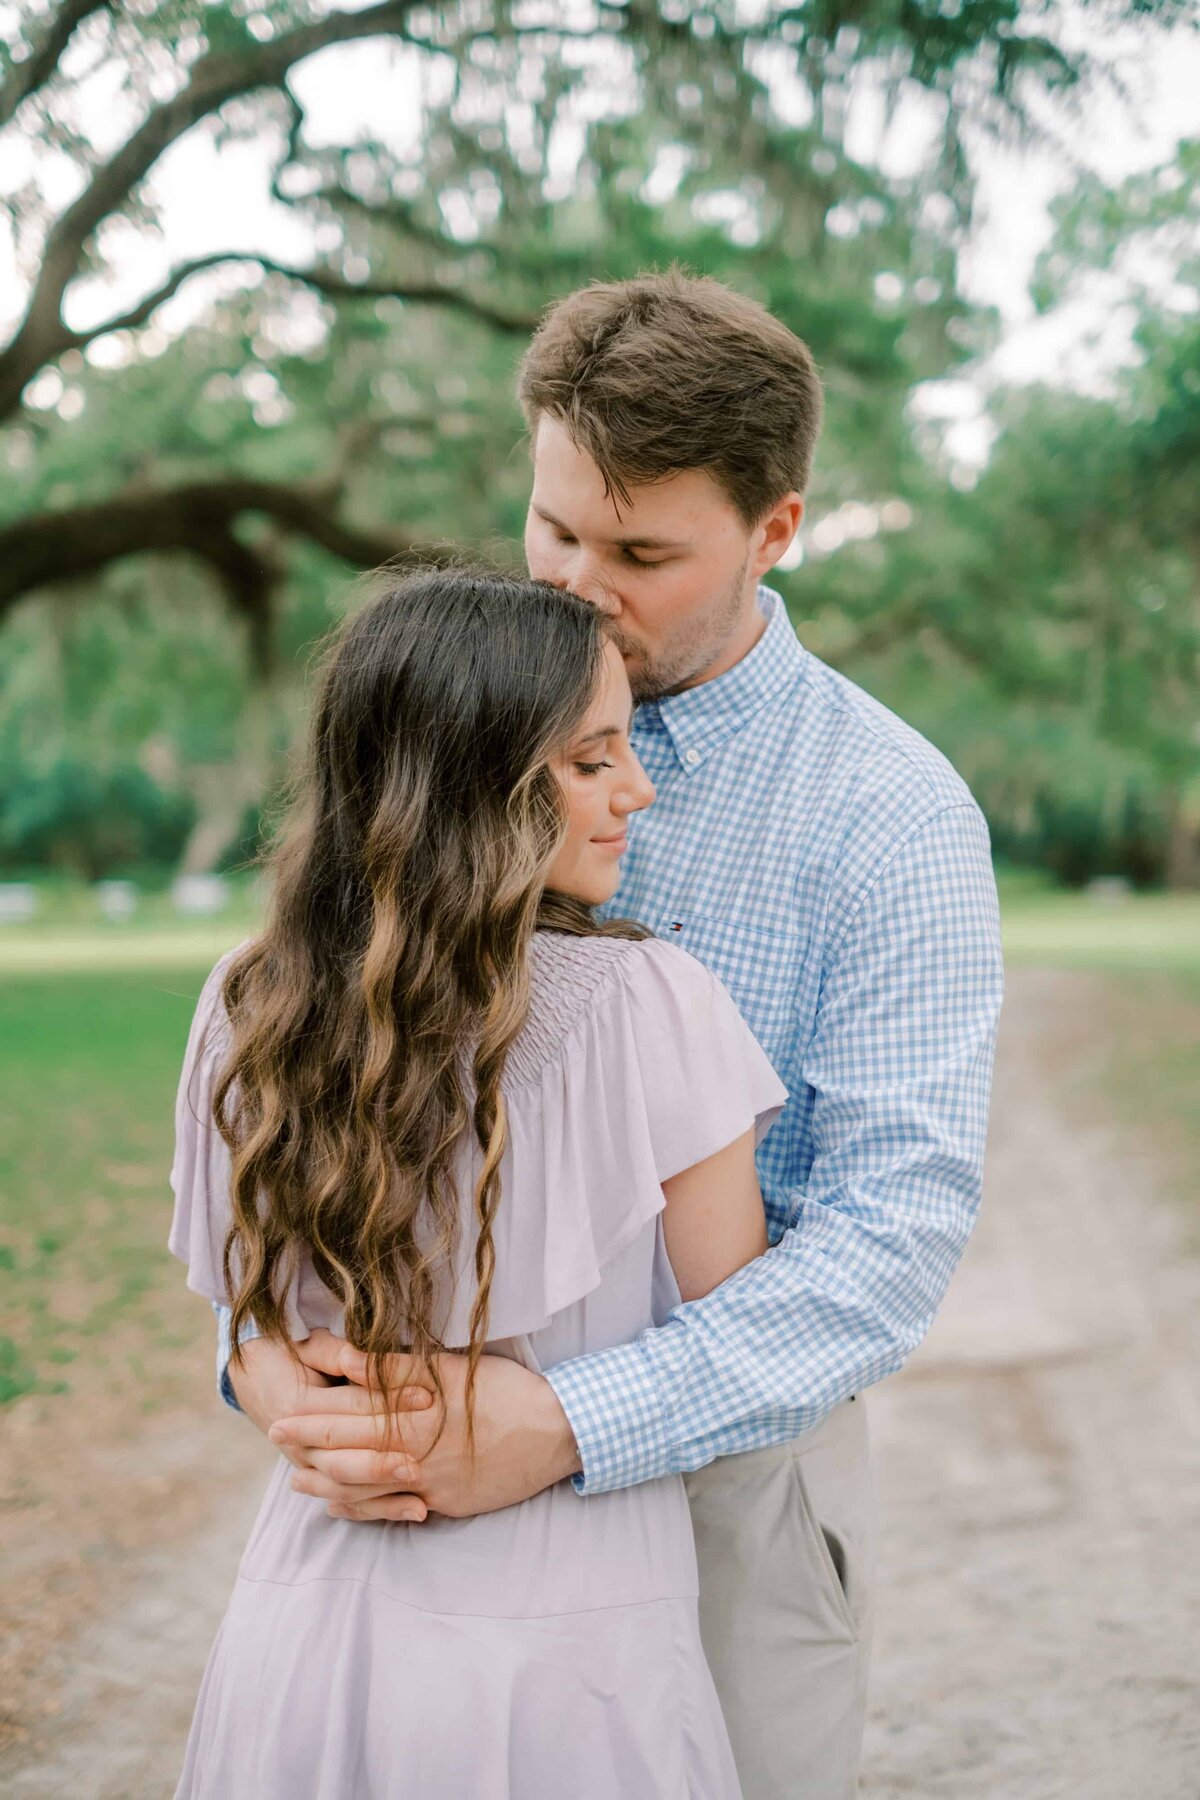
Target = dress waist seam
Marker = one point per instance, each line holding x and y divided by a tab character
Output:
373	1587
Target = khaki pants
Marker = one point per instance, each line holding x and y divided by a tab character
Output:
786	1541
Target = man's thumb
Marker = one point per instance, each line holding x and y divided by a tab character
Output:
320	1350
352	1364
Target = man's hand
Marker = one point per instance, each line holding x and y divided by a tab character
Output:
337	1439
270	1385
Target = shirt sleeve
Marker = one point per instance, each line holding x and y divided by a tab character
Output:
225	1350
899	1067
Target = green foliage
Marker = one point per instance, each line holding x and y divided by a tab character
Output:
1044	628
94	822
1041	628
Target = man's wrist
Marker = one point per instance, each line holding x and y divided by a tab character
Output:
564	1459
611	1403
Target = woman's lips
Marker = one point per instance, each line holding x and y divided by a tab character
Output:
617	843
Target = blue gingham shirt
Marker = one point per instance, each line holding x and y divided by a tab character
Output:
833	870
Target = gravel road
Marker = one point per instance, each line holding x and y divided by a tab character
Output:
1039	1466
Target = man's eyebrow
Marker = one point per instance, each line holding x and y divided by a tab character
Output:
621	543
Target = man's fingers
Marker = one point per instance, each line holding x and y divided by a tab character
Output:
397	1370
362	1468
346	1401
322	1351
404	1434
334	1357
408	1509
334	1431
313	1432
324	1487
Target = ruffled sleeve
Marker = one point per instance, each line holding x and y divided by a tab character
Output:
201	1176
655	1072
200	1173
707	1080
637	1065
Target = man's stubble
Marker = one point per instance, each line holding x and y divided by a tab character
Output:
692	649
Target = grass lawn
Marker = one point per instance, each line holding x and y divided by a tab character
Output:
88	1073
69	934
1144	931
93	1021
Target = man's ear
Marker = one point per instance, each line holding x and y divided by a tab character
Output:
775	531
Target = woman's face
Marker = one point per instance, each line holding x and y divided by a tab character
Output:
603	782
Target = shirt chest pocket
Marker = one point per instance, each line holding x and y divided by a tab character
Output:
762	968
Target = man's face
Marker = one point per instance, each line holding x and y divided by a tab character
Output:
675	570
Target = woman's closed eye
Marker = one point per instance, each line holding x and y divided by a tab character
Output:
586	768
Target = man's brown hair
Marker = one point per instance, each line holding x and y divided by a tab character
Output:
672	372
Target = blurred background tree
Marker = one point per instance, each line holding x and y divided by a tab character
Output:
200	451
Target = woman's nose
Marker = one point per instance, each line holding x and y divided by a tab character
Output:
636	795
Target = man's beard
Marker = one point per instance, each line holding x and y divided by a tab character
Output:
693	648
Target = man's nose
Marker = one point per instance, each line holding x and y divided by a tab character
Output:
601	597
582	577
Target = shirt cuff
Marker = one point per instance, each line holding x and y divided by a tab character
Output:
224	1351
612	1404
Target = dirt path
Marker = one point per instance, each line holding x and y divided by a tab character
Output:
114	1580
1039	1632
1039	1460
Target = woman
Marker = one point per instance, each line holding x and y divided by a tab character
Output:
437	1105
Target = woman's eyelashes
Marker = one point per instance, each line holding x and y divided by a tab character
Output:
592	768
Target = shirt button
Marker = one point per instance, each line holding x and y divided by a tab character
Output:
692	757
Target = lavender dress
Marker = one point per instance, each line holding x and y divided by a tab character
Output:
550	1649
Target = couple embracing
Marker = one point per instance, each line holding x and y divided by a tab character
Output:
599	1114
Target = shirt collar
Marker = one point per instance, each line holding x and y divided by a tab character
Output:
702	718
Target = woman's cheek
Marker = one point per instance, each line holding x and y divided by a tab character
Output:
579	827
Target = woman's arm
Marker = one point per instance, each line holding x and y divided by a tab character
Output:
714	1222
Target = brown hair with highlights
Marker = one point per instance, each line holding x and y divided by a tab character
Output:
371	1021
672	372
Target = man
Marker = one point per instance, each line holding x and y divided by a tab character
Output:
832	869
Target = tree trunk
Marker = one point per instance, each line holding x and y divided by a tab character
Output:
1182	867
223	792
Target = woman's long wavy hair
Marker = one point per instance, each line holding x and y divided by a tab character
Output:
371	1021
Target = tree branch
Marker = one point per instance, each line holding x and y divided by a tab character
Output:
402	217
323	281
217	77
145	308
27	77
327	281
198	519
